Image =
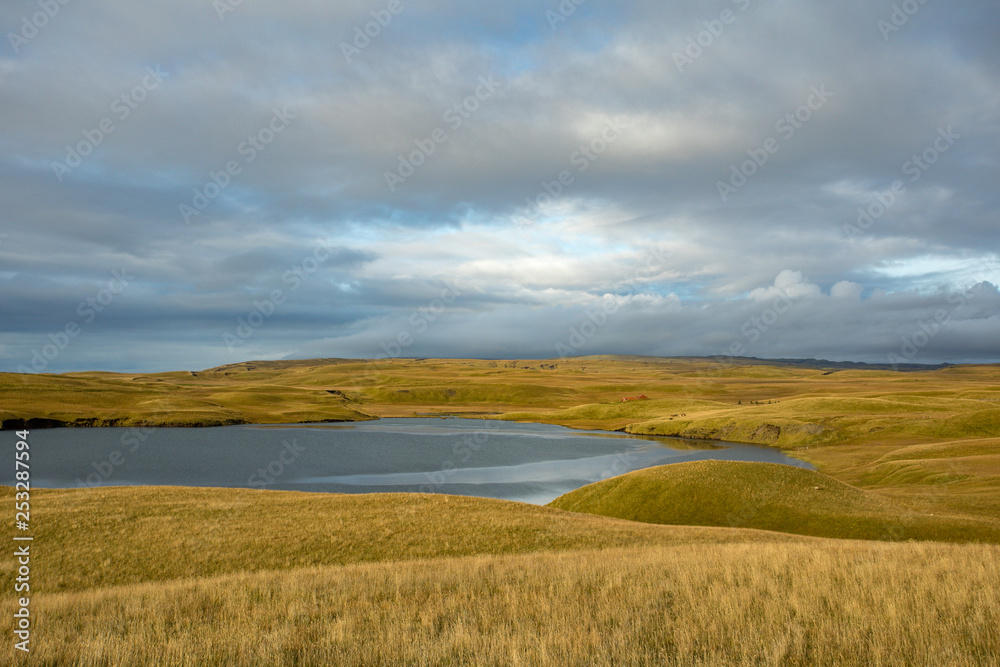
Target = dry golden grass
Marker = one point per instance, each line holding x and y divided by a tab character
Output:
821	603
121	535
240	577
768	496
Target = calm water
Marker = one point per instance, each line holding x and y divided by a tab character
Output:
532	463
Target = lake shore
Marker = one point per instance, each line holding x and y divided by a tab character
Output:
923	435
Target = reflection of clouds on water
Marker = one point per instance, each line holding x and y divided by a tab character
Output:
539	482
515	461
587	469
529	430
444	430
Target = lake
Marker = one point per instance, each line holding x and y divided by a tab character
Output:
531	463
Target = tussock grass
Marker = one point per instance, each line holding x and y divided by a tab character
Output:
823	603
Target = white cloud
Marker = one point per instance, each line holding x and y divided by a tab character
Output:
789	284
847	290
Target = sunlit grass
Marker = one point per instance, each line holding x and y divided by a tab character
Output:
768	496
823	603
121	535
140	576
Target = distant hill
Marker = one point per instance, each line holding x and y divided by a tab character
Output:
823	364
816	364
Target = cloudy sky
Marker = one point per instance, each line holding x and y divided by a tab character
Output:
201	182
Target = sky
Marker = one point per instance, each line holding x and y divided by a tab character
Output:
203	182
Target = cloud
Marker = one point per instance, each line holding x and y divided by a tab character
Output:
542	191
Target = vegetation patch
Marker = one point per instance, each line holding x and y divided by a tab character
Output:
766	496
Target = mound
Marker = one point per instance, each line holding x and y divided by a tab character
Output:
766	496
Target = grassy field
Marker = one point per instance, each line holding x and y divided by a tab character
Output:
768	496
424	580
928	438
705	563
102	537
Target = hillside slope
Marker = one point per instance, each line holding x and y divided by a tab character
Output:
766	496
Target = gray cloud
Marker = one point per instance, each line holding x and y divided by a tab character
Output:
543	195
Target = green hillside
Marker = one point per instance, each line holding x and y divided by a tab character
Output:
766	496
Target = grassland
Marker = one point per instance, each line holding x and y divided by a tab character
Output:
833	603
102	537
177	576
930	439
713	563
768	496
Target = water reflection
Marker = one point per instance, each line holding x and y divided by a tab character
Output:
489	458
